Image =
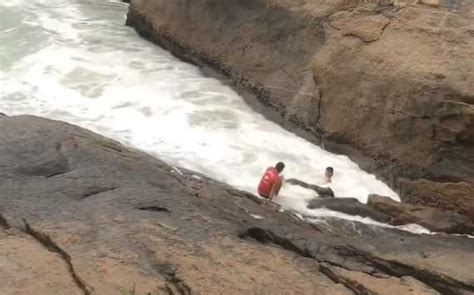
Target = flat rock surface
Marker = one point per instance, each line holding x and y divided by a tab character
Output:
88	215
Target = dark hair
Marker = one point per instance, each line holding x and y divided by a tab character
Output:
280	166
330	169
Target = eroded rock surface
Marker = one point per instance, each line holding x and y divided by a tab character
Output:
431	218
456	197
91	216
27	268
391	82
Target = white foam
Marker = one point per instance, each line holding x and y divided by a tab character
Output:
132	91
13	3
256	216
8	30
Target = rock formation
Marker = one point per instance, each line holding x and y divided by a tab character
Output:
391	83
82	214
431	218
352	206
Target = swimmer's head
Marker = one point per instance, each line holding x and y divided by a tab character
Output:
329	172
280	166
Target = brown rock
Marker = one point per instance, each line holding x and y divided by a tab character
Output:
384	285
27	268
392	86
83	214
455	197
367	28
350	206
431	218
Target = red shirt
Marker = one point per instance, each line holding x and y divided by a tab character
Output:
269	179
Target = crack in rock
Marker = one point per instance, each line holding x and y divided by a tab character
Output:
98	190
57	173
318	114
51	246
174	285
4	223
153	208
354	286
268	237
441	283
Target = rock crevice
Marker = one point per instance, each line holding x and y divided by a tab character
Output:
174	285
50	245
443	284
354	286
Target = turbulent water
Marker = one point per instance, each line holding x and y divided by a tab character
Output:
76	61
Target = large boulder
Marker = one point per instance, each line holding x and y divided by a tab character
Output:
455	197
389	83
431	218
82	214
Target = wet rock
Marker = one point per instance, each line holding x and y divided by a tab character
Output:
350	206
311	66
455	197
144	226
431	218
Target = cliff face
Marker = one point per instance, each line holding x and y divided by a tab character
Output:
395	81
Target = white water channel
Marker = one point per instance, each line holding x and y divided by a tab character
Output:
74	60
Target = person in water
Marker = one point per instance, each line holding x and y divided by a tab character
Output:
328	174
271	182
324	192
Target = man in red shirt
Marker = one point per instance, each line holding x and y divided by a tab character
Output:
271	181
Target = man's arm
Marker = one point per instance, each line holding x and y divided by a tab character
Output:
322	191
298	182
275	190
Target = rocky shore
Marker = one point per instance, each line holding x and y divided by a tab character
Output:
106	219
389	83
